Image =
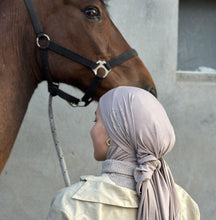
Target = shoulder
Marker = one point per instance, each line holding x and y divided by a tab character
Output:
188	207
92	193
59	205
103	190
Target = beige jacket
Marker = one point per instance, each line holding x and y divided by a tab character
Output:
98	198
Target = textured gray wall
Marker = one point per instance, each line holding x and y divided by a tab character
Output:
32	175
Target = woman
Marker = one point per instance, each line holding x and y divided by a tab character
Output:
131	135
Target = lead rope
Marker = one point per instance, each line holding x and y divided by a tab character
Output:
59	150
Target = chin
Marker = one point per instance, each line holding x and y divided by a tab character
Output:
99	158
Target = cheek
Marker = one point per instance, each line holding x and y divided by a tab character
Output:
99	139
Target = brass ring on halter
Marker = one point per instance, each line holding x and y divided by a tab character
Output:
46	40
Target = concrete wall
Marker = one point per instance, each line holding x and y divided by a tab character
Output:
32	175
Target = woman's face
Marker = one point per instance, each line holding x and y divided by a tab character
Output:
99	136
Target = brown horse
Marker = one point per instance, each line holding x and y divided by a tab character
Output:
83	26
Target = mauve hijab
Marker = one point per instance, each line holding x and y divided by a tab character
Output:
141	134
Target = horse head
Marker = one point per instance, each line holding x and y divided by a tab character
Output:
86	28
82	26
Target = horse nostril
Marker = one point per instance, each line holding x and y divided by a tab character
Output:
152	90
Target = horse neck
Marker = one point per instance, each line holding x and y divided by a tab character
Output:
17	73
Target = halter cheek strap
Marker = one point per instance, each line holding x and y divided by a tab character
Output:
53	87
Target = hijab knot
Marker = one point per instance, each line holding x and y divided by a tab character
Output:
144	172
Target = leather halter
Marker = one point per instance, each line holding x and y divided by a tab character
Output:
53	87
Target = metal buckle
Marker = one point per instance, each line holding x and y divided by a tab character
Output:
79	104
99	66
40	37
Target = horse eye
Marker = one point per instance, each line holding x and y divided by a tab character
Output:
92	12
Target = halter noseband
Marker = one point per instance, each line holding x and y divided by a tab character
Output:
53	87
